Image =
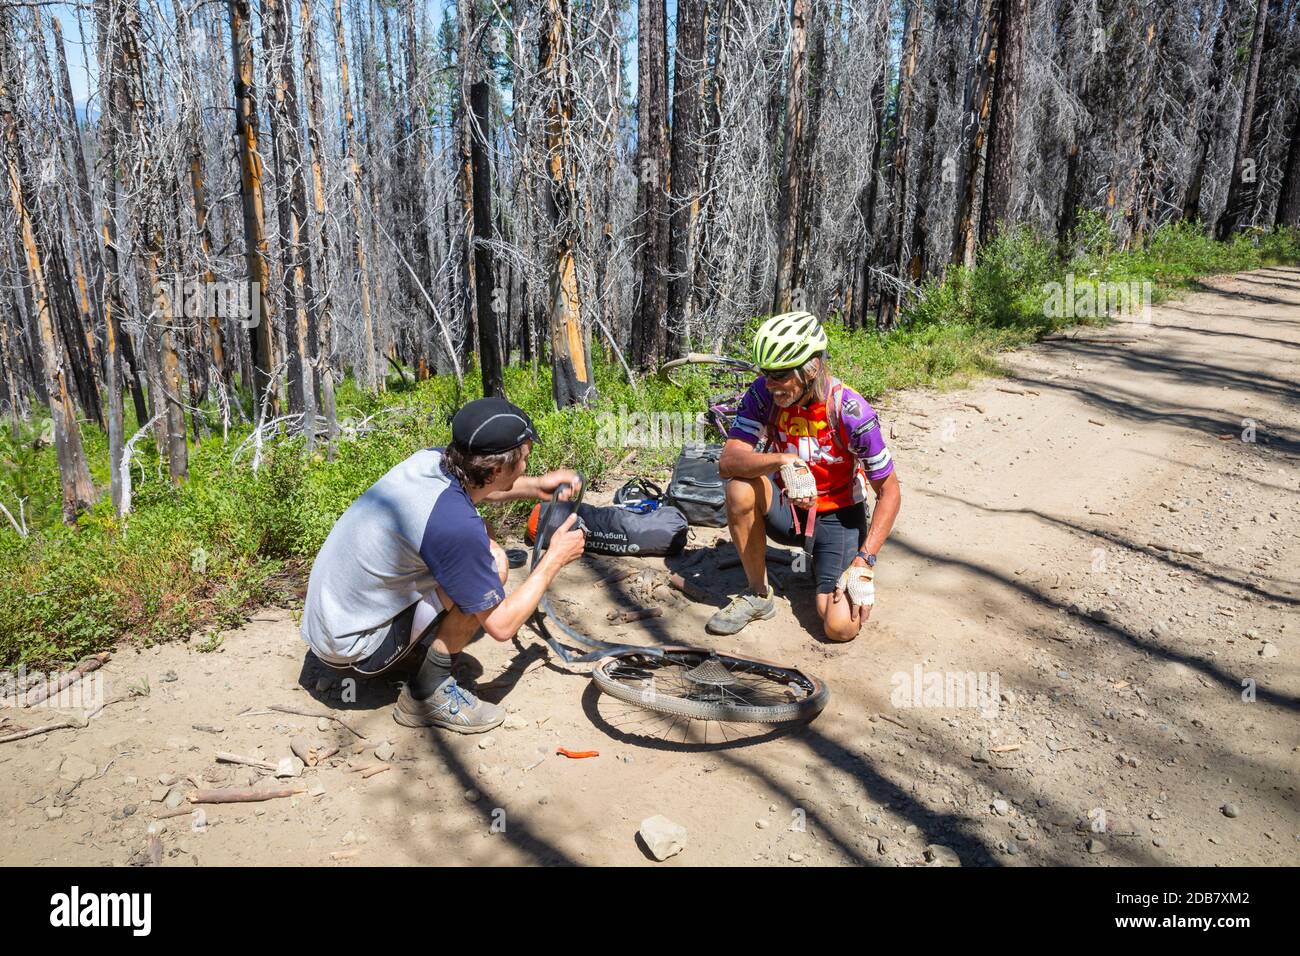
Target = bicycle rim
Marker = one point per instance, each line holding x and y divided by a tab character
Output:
721	370
702	685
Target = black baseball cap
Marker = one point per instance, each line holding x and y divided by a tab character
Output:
488	426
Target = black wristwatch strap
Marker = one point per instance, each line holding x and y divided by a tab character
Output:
869	558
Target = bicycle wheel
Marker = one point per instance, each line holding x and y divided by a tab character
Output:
722	369
704	685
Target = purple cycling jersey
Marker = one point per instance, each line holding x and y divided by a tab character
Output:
806	431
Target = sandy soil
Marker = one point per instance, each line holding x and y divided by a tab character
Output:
1123	733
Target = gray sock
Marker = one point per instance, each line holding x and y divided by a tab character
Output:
435	669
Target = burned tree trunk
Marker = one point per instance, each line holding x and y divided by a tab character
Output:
110	68
794	165
1244	173
482	302
74	475
975	115
898	174
321	361
1288	205
488	302
298	279
571	379
688	95
369	373
1208	111
860	299
648	338
148	219
250	179
1008	86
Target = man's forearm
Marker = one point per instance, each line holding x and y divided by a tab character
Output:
525	486
882	520
747	463
505	620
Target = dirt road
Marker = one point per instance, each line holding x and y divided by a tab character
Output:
1110	532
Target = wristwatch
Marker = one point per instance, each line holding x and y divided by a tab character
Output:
869	558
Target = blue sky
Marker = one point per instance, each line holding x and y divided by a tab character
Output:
79	57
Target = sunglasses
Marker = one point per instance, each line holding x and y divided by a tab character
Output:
778	375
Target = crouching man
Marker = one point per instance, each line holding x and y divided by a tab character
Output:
826	438
410	563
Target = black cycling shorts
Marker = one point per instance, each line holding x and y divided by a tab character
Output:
397	644
837	535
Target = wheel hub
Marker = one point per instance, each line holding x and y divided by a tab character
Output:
710	672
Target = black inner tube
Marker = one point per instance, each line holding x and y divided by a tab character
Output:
544	610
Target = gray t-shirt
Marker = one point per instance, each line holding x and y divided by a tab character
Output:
413	529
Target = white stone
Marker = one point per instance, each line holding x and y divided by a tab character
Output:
662	837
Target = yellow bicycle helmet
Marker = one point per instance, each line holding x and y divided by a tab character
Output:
788	340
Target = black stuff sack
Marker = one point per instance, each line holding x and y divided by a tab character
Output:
657	531
697	488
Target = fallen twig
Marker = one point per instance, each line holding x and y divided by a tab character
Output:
181	812
303	751
1080	338
1005	749
46	689
1177	549
247	761
20	528
374	771
303	712
242	795
72	723
640	614
91	715
896	723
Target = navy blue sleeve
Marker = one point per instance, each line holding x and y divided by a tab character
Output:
455	547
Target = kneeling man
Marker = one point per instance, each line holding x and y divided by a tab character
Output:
411	559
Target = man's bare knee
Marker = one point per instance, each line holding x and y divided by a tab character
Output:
741	495
840	632
837	626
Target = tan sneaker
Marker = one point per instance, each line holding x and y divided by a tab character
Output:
742	609
450	707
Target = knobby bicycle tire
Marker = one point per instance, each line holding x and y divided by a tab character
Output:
803	709
704	359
